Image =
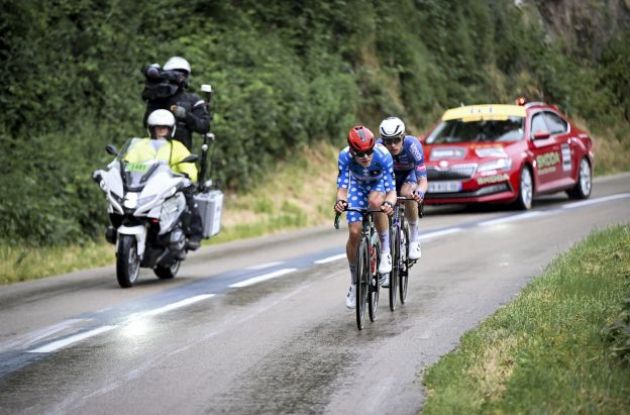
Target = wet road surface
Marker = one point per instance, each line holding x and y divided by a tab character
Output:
260	327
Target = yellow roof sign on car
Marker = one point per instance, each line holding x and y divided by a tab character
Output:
484	112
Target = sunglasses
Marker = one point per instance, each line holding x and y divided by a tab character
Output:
361	154
392	140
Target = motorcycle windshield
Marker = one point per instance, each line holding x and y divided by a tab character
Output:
139	161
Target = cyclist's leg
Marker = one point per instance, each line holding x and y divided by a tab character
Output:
356	199
411	214
376	198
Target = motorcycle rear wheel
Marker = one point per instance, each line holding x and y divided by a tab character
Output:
167	273
127	261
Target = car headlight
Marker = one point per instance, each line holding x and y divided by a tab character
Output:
498	164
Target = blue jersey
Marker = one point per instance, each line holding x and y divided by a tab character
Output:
381	169
411	157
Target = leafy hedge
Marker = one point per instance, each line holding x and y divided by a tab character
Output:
285	74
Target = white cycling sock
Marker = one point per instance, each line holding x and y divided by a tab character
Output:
413	231
384	241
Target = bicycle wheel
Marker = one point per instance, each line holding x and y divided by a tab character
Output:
362	283
374	286
394	275
403	275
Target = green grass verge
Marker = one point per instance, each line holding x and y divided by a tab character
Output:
547	352
22	263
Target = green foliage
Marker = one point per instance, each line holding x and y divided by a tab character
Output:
286	74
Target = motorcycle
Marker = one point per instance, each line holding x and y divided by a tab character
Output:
146	207
148	210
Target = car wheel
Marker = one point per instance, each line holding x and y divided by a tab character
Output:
584	184
525	190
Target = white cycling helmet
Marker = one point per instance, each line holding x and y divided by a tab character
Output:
161	118
177	63
392	127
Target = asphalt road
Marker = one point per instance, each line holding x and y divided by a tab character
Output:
260	327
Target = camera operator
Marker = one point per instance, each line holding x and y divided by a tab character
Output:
166	89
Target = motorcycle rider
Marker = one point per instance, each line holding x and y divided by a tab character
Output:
188	108
161	146
410	172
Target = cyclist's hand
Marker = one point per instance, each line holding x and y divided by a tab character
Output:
387	207
341	206
418	195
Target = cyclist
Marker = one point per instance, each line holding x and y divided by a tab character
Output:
366	178
410	172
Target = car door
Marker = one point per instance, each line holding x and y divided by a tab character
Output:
560	131
546	151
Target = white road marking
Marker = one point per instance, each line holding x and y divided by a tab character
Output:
512	218
435	234
54	346
263	277
594	201
330	259
267	265
176	305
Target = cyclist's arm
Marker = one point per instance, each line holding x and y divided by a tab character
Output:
389	182
421	168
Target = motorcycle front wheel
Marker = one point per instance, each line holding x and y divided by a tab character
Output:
127	261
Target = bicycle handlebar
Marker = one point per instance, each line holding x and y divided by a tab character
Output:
420	204
359	210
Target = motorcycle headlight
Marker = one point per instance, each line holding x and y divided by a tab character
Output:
498	164
131	200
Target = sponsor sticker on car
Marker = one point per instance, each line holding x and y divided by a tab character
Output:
445	186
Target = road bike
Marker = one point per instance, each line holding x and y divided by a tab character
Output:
399	241
368	257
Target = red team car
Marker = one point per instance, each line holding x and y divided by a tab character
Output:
506	154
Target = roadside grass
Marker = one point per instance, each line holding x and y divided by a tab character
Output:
22	263
299	192
547	352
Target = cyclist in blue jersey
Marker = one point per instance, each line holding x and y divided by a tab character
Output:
410	172
366	178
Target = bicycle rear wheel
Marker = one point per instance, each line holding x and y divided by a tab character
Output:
404	262
394	275
374	286
362	283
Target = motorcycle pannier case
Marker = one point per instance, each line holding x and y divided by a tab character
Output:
210	204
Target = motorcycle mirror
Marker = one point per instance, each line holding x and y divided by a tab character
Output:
191	158
111	149
207	88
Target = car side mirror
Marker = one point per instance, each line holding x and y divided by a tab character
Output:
111	149
541	135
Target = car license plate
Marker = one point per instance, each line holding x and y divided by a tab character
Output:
450	186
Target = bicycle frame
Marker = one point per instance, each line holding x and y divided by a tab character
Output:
399	235
368	257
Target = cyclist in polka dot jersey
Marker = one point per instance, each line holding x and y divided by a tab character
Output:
365	179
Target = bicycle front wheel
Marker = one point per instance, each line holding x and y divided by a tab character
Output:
393	277
375	252
362	283
403	275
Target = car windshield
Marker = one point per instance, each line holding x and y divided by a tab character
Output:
462	131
